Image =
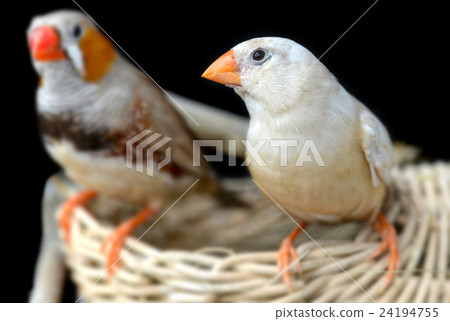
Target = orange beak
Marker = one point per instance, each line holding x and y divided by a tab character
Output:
224	70
45	45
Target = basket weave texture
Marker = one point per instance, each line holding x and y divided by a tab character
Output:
332	270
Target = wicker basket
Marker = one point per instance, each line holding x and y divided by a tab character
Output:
245	270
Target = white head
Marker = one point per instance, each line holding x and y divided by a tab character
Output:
271	74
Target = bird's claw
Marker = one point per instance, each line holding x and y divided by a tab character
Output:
389	242
65	213
287	256
113	244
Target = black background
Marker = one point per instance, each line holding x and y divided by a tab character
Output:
391	60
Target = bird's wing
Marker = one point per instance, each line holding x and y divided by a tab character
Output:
213	123
164	119
377	147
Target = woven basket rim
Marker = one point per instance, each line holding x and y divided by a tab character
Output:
420	206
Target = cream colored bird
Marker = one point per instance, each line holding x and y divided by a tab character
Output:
325	156
90	101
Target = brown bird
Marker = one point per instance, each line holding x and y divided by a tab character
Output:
322	155
90	102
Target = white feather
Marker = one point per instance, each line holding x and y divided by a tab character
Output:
75	54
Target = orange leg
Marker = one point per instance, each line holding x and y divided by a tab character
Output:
389	242
113	244
65	214
288	254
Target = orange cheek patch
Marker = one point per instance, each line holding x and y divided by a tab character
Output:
98	54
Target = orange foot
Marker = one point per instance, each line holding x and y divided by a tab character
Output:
389	242
65	214
113	244
287	254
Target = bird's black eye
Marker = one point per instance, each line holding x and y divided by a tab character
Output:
76	31
259	56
